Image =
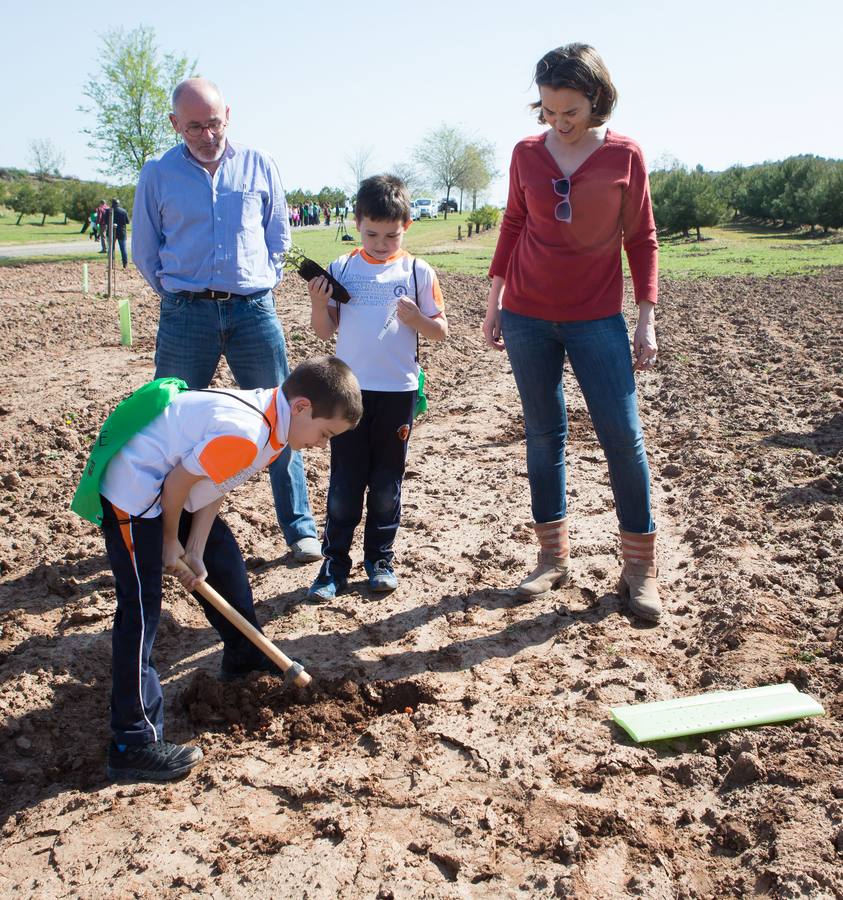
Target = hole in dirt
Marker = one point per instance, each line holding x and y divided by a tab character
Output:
336	709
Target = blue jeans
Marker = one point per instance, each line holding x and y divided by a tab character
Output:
192	337
602	363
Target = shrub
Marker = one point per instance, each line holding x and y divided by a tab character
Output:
484	217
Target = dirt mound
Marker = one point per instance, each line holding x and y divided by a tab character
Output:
453	742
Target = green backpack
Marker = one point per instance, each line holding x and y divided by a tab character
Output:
130	416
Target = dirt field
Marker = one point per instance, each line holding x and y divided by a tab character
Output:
455	743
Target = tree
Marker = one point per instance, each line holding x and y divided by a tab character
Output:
48	199
683	200
479	171
24	200
829	197
331	196
443	158
359	162
408	173
130	94
81	198
46	158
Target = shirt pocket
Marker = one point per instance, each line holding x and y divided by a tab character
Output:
247	221
249	209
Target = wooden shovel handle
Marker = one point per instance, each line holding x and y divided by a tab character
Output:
302	679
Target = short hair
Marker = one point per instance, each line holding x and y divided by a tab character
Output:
115	201
580	68
383	198
330	386
191	82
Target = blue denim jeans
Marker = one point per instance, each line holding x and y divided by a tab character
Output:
602	363
192	337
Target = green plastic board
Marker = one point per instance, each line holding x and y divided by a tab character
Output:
715	712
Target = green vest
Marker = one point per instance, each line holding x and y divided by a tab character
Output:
131	415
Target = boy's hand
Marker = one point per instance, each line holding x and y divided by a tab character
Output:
409	313
174	553
196	564
320	290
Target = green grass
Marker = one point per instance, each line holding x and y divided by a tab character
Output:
432	239
748	250
92	257
31	231
724	250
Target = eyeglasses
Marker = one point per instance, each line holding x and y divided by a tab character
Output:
215	127
562	188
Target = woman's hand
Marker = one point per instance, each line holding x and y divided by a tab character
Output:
644	346
492	333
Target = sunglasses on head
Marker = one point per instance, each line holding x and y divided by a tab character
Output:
562	188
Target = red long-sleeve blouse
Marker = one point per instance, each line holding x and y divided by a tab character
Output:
571	271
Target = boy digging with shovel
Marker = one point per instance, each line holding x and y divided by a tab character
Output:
160	494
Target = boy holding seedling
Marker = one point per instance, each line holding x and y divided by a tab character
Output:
394	299
160	494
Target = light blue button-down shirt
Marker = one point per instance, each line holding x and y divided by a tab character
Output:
192	232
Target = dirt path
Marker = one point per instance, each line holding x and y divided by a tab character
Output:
456	744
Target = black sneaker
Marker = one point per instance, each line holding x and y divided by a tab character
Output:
158	761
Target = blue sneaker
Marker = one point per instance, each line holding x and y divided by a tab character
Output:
382	578
326	587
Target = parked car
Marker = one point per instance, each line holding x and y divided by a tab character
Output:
424	209
452	205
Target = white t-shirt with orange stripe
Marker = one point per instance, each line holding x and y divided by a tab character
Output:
211	434
380	349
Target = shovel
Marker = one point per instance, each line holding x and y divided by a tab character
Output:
295	669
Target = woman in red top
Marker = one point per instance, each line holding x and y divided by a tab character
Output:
578	194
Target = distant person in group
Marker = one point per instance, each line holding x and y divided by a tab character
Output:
121	222
578	194
394	299
209	234
95	229
102	212
159	499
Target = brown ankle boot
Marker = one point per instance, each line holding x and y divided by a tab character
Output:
553	564
638	577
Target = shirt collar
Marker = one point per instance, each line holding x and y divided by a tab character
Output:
382	262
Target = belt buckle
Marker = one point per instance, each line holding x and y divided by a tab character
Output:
220	295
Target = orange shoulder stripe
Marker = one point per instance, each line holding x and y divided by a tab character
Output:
226	456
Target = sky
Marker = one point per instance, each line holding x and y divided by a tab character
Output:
714	83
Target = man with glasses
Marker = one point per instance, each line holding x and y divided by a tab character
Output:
209	234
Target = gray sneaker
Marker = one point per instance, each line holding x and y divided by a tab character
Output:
157	761
306	549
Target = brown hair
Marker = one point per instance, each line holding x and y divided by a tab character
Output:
330	386
383	198
580	68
